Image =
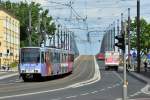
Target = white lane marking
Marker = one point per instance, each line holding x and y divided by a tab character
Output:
32	93
85	94
119	99
74	96
117	84
135	94
146	89
94	92
11	80
114	86
118	76
7	76
1	73
102	90
18	81
56	99
96	78
77	58
10	83
109	87
122	99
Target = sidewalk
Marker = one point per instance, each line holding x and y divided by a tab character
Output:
10	70
142	76
146	74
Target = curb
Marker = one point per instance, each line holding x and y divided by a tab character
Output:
94	79
139	77
9	71
7	76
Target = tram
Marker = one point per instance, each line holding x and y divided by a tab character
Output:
38	62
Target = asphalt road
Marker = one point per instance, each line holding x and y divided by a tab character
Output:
109	87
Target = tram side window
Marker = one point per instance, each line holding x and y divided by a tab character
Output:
55	57
42	57
62	57
65	57
51	56
72	57
58	57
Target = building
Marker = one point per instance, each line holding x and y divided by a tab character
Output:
9	38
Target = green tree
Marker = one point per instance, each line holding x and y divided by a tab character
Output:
144	34
21	11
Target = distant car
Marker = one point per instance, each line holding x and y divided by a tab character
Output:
100	56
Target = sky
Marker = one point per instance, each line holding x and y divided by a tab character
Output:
91	16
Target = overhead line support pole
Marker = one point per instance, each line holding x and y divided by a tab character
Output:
123	31
138	36
129	21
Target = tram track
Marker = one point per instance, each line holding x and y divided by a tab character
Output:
80	69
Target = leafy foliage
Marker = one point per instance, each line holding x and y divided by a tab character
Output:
21	12
13	64
144	34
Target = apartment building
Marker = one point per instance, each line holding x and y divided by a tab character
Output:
9	38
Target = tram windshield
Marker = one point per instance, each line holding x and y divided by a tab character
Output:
30	55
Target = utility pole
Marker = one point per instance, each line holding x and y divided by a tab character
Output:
122	23
118	32
39	30
54	40
30	27
123	31
61	38
129	21
118	27
58	40
69	40
64	40
111	37
138	37
107	35
58	37
114	31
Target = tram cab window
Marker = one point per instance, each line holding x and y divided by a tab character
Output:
42	57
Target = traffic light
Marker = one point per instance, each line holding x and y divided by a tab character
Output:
121	42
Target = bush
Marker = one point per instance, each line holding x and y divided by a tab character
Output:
13	64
